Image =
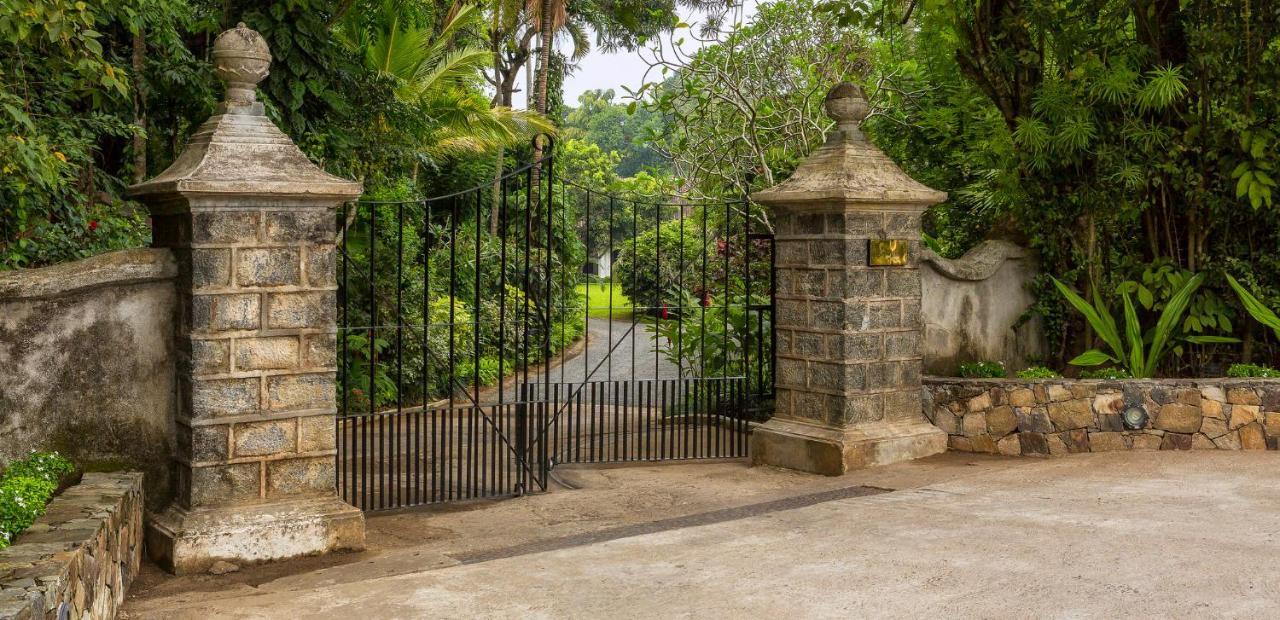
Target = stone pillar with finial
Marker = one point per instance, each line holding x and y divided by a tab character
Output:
251	222
848	307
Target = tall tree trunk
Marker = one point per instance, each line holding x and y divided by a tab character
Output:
139	107
544	69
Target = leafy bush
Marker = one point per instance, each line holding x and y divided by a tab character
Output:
1038	372
982	370
25	488
1106	373
1139	352
1252	370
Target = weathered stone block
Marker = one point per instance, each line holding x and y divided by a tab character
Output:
902	283
862	408
307	391
974	424
884	315
322	265
318	434
265	438
309	225
299	476
1178	418
809	345
1230	441
1009	446
1212	409
224	397
1022	397
1108	403
266	353
1201	442
792	372
301	310
225	312
1001	421
945	420
1071	414
1252	437
210	356
791	253
1077	441
210	268
1145	442
268	267
1059	392
1175	441
1272	425
981	402
1243	414
859	225
223	484
1033	419
865	283
1243	396
224	227
1108	442
901	345
902	225
209	443
1214	427
1035	444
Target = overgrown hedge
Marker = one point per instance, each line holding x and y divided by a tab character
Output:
25	488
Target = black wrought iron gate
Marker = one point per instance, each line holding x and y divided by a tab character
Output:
490	335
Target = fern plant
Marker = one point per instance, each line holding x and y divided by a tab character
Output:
1138	351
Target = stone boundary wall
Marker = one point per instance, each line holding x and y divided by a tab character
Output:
77	560
87	361
1062	416
973	308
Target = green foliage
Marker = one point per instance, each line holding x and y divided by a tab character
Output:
25	488
1256	309
1253	370
1038	372
616	129
1138	352
715	339
1105	373
982	370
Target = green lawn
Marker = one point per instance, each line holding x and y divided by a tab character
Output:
598	302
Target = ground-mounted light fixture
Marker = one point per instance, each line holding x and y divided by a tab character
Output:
1134	417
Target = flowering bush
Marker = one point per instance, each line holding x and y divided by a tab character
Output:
25	488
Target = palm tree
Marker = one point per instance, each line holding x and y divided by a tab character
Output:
433	72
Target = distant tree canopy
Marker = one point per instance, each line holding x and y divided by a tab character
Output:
600	120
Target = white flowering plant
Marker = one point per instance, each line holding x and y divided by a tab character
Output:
25	487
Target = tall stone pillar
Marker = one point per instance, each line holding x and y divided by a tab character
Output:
252	223
848	325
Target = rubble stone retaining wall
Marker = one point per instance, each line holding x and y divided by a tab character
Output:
78	559
1062	416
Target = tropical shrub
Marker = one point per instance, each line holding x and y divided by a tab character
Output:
1139	353
1252	370
25	488
982	370
1106	373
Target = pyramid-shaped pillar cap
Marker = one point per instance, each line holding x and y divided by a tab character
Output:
848	173
239	154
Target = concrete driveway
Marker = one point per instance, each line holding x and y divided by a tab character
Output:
1187	534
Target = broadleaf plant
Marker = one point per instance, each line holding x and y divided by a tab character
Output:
1139	352
1256	309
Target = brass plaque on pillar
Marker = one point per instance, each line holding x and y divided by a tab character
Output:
888	252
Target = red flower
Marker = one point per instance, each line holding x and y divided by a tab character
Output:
665	313
706	300
93	225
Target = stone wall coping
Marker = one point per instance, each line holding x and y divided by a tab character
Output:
977	264
78	558
111	269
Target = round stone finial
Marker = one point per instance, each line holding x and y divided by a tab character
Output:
847	104
242	59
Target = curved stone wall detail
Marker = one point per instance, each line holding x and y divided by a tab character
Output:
973	308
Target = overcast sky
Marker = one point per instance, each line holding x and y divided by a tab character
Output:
601	71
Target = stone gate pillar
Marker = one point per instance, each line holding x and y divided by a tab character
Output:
251	221
848	323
